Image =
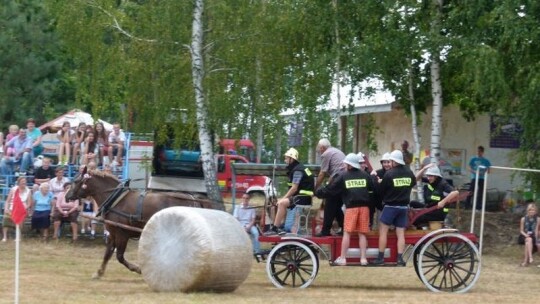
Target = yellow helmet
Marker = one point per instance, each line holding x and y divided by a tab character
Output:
292	153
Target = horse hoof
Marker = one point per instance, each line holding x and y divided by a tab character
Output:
96	276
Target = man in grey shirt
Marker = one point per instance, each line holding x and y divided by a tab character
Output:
331	164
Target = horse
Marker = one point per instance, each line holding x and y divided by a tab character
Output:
125	211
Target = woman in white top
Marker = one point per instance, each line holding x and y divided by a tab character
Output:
26	197
56	184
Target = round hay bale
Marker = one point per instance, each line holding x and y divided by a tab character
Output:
191	249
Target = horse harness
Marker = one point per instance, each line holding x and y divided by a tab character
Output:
116	196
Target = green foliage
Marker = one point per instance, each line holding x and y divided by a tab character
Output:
29	64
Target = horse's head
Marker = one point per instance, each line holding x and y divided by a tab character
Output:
91	183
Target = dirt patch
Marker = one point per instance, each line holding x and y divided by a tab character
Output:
501	229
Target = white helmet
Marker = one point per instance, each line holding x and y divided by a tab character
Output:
353	160
434	171
397	156
292	153
385	156
361	157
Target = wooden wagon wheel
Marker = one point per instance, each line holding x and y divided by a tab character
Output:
448	262
292	264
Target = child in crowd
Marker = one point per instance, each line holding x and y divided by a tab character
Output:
65	136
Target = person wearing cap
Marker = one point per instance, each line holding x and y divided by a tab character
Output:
377	176
355	187
331	164
395	188
437	191
36	135
301	185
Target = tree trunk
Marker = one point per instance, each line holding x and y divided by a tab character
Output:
436	93
205	139
416	138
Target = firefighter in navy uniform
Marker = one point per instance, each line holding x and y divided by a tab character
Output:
395	188
437	191
301	185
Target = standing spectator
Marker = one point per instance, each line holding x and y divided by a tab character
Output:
41	219
56	184
67	211
474	164
331	163
43	174
65	136
355	187
80	135
300	190
89	149
36	135
22	147
26	197
395	187
13	131
117	138
528	233
246	216
102	138
407	155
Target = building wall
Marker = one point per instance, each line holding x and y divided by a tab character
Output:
457	133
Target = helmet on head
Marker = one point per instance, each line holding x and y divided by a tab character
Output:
434	171
361	157
385	157
292	153
397	156
353	160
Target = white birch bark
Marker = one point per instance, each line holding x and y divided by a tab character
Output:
436	93
205	139
416	138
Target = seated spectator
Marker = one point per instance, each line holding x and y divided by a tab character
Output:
22	146
117	138
41	218
246	216
437	191
57	183
89	208
65	211
65	136
78	139
43	174
26	197
89	149
528	233
13	131
36	136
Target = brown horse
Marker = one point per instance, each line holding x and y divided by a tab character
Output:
123	208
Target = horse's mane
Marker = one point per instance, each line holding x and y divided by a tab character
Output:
102	174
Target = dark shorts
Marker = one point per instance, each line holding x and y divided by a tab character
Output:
395	215
303	200
41	219
72	217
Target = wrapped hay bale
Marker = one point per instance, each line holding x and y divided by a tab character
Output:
191	249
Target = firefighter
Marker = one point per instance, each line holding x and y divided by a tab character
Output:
301	185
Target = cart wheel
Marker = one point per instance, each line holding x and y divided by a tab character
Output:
292	264
449	262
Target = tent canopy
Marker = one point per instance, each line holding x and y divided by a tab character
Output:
74	117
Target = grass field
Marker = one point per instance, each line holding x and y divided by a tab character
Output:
61	273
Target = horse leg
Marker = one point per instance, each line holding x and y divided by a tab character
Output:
120	249
109	249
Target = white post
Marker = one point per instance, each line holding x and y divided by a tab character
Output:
17	240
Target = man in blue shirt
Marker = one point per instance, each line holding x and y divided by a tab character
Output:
22	144
474	164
